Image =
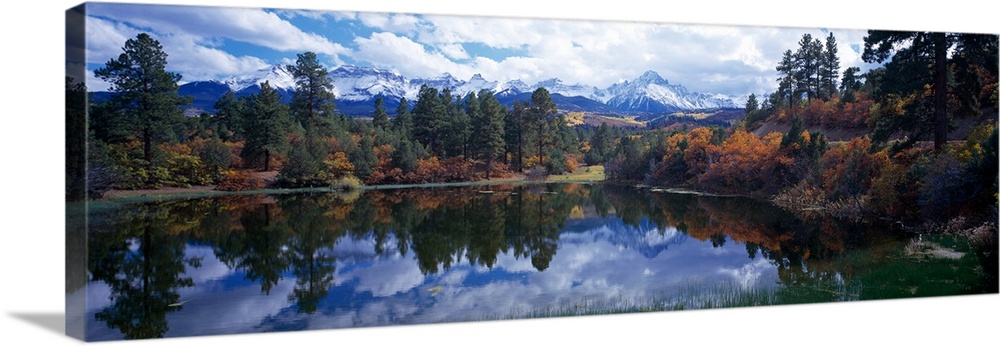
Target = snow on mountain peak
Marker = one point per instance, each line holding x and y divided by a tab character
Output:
651	77
649	92
277	76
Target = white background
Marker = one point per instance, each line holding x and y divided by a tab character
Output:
31	181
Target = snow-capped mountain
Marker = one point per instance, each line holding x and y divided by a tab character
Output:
556	86
651	93
513	87
355	88
365	83
442	81
277	76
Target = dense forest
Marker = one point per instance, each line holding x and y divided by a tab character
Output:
139	138
916	137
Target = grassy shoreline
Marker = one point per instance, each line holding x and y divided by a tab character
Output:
584	175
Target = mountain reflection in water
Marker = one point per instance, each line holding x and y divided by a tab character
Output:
253	263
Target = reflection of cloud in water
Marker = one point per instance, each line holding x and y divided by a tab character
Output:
645	237
748	275
385	276
380	289
585	268
656	237
243	307
211	268
381	275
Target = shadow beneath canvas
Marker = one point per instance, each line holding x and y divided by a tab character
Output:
52	321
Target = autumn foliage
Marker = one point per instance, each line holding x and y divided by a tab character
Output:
234	180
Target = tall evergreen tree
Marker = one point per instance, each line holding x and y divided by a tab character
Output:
752	110
305	166
405	156
489	130
266	124
429	118
312	103
514	133
403	123
830	70
787	80
922	58
542	108
474	112
380	120
808	63
144	91
363	158
975	73
601	145
229	111
850	83
455	126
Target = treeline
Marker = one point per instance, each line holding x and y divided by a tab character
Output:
139	138
887	172
292	238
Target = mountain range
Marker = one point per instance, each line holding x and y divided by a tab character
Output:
356	87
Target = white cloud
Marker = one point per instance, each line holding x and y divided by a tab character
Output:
200	62
105	39
454	51
733	60
409	58
708	58
255	26
314	15
398	23
185	52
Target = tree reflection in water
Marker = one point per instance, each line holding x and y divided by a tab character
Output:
139	250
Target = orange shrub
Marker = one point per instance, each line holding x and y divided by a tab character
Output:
233	180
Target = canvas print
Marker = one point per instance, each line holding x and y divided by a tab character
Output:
245	170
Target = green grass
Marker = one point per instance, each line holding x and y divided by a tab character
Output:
582	174
693	296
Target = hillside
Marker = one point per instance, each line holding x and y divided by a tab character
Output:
959	132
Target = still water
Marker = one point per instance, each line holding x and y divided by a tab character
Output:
258	263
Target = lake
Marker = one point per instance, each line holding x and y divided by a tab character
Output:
300	261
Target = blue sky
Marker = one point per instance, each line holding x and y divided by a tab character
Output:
218	42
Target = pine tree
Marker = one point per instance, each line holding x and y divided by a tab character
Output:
601	145
380	120
830	70
305	166
312	103
542	108
850	83
919	59
428	118
489	130
514	133
363	158
752	110
474	112
405	156
229	111
403	123
455	126
266	124
787	80
808	62
144	92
